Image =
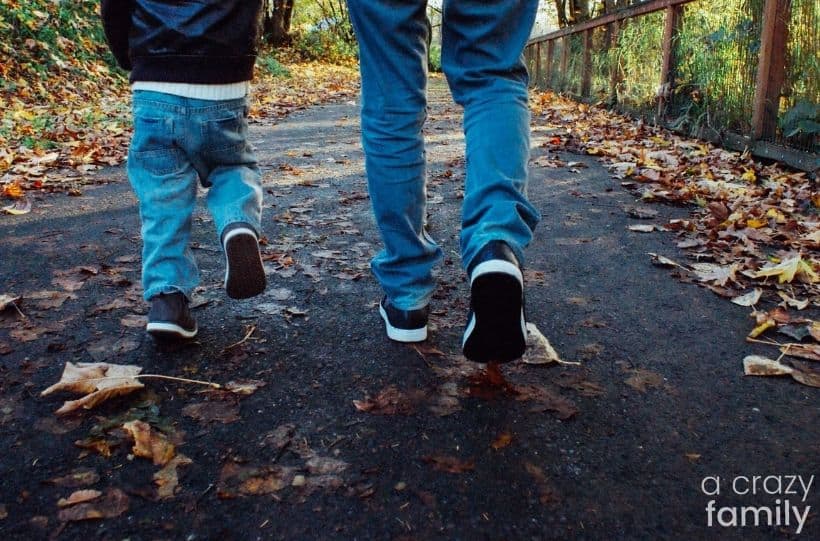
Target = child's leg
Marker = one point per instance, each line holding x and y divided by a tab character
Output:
228	166
165	184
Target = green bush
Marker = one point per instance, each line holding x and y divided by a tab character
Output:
324	45
271	65
434	58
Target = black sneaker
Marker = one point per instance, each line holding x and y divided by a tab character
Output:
170	318
496	330
404	325
244	273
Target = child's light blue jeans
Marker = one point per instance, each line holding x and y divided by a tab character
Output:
178	141
482	44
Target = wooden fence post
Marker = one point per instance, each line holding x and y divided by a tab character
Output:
616	75
586	70
549	59
771	68
670	34
565	43
537	63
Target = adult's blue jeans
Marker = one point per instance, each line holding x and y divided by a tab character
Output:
177	142
482	45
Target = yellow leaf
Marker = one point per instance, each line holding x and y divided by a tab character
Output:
784	271
749	176
763	327
777	215
756	223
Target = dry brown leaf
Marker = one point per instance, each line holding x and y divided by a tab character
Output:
98	381
449	464
546	400
148	443
167	479
503	440
79	496
113	504
236	480
222	411
755	365
390	401
81	477
804	351
642	379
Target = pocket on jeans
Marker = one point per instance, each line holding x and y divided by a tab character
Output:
157	162
226	134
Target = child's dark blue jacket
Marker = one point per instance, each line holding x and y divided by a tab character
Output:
203	41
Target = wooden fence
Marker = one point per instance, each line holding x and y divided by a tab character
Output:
760	138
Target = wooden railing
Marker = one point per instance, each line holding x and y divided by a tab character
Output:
771	72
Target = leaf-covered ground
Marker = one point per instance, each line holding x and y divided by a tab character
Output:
321	428
754	231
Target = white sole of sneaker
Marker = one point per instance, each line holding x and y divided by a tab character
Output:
170	329
402	335
244	271
497	266
497	329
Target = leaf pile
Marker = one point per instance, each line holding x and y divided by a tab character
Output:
754	231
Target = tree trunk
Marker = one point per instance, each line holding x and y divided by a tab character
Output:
276	21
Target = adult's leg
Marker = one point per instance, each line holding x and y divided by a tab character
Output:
392	39
482	46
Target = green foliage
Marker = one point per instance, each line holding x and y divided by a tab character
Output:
324	44
271	66
43	35
434	58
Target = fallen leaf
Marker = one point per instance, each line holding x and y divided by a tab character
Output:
236	480
325	465
449	464
113	504
546	400
794	303
642	228
642	379
98	381
546	493
715	274
244	386
148	443
539	350
786	270
749	298
8	301
279	438
763	327
663	261
805	351
221	411
755	365
390	401
19	207
503	440
167	479
81	477
79	496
